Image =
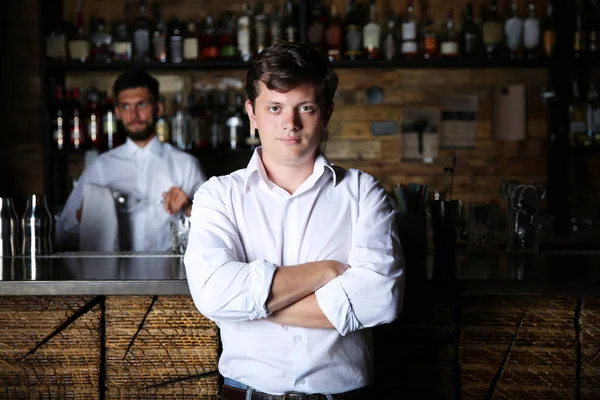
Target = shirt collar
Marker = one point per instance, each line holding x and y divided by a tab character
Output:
153	147
256	167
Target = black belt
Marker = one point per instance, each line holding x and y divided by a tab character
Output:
231	393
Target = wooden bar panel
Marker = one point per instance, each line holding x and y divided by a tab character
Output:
66	366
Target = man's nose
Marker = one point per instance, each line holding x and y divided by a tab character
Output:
291	120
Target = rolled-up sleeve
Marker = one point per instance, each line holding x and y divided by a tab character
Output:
224	286
371	291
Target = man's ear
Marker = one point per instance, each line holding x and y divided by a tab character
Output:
251	116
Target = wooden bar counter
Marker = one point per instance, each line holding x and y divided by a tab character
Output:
89	326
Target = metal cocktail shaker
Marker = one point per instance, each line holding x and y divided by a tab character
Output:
37	227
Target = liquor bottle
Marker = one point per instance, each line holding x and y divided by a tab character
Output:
244	33
430	36
531	33
59	120
316	27
141	35
159	39
180	124
194	119
290	22
209	40
449	38
101	43
470	37
199	125
77	136
549	30
353	29
56	43
580	37
492	31
219	138
109	125
513	31
191	44
372	34
260	27
275	25
121	45
333	35
577	116
391	37
175	41
234	122
410	46
594	38
93	116
226	33
79	44
162	128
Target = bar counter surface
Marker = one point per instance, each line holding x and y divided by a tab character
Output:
73	273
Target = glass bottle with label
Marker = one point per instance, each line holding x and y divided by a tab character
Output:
275	25
59	120
235	124
470	37
492	31
410	47
101	43
244	33
316	27
180	124
209	40
141	35
93	116
79	43
290	22
372	34
531	33
513	32
333	35
594	38
121	45
162	125
56	43
549	34
353	32
580	45
190	43
260	27
226	33
175	41
109	125
77	135
219	135
430	36
391	37
449	37
159	40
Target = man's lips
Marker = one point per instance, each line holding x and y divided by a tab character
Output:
289	139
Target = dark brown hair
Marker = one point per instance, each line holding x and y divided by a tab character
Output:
285	65
135	79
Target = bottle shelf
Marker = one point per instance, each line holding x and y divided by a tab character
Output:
73	66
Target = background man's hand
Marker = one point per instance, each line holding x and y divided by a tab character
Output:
175	200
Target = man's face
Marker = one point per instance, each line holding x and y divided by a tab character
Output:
291	124
137	110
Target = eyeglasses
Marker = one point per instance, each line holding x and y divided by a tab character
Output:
139	106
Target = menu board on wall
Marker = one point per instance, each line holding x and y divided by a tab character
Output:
459	121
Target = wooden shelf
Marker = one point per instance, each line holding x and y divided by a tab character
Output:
435	63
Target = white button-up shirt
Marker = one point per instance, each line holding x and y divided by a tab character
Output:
243	227
142	175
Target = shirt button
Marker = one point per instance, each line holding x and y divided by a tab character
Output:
302	382
298	339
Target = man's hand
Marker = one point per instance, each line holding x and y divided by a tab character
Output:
175	200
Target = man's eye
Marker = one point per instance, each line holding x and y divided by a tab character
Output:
274	108
307	108
125	107
143	104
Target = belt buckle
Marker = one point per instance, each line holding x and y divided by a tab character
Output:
291	395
